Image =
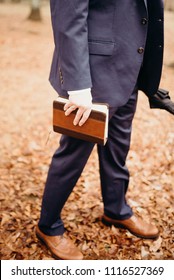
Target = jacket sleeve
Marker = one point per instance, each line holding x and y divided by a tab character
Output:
69	23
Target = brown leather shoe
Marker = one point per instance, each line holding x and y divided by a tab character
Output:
135	225
60	246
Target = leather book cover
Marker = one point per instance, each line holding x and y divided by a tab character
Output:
95	129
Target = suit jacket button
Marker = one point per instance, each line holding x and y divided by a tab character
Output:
144	21
140	50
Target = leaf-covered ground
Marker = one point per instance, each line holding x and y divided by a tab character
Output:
25	114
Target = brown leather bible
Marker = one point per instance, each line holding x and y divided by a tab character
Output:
95	129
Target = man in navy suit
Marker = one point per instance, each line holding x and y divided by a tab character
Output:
105	51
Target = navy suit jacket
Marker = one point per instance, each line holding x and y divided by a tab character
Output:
107	45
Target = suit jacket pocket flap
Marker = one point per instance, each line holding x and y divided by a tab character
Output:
101	48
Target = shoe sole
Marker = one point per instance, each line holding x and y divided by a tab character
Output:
117	225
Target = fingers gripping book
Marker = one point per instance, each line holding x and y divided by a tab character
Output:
95	129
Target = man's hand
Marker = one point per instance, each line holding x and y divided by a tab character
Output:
81	99
162	100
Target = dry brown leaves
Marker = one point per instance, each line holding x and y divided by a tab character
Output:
26	50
